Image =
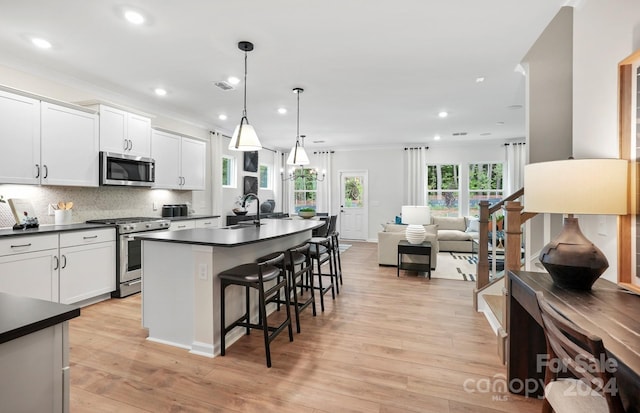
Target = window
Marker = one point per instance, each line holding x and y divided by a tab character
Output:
228	171
485	183
443	190
305	188
264	173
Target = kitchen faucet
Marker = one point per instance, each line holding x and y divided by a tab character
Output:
244	205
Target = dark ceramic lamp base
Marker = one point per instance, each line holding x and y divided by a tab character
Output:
571	259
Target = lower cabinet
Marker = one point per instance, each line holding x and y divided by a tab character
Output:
69	267
87	271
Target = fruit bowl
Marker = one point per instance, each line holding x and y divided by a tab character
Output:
307	214
240	211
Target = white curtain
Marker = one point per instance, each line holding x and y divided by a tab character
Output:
415	176
217	142
323	160
280	188
516	156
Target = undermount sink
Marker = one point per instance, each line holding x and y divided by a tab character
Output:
241	225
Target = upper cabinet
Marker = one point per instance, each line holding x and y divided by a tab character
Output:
20	139
180	161
45	143
69	146
124	132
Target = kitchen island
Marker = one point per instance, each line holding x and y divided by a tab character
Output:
180	286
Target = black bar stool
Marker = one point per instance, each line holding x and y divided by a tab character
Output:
337	263
298	277
255	275
321	254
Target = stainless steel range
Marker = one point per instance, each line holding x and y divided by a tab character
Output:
129	256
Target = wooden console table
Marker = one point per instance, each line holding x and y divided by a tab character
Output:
607	311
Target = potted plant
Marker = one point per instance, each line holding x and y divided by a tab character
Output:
307	212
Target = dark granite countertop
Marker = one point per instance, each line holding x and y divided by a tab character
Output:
20	316
47	229
191	217
229	237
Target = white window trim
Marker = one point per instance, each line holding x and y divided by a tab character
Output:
233	171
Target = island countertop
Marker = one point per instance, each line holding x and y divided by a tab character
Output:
235	235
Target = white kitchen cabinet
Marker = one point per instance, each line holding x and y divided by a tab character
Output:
182	224
19	139
165	150
87	264
124	132
29	266
69	145
180	161
207	223
66	267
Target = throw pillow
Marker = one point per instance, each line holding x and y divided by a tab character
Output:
394	227
473	224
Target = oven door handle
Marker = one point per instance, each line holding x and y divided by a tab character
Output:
129	284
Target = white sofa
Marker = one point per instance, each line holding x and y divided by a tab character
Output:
388	245
456	233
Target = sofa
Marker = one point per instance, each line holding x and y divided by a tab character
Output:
392	234
456	233
445	234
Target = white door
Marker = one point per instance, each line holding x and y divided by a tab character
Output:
354	220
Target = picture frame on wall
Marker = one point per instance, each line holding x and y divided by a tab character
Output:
250	185
629	127
251	161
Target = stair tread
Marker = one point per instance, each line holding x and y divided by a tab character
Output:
496	304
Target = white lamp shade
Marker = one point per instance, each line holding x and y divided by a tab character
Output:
420	215
248	142
577	186
297	156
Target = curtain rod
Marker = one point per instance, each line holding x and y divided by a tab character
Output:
319	152
417	147
515	143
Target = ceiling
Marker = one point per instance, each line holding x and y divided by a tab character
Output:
375	73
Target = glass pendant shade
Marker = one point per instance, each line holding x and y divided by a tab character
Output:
297	155
244	138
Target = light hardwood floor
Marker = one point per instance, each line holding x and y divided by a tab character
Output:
386	344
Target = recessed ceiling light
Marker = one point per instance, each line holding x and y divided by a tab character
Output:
436	138
319	141
443	114
41	43
160	92
514	107
485	134
222	116
282	111
233	80
134	17
479	79
500	123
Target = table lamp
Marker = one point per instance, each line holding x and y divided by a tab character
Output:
416	217
575	186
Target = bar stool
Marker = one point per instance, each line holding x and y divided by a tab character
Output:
255	275
298	278
337	263
321	254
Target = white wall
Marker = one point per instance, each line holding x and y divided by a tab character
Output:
605	32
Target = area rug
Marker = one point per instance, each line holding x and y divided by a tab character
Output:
344	247
455	266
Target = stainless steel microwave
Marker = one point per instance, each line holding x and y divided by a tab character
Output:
126	170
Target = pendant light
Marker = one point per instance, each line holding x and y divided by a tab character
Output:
244	136
297	155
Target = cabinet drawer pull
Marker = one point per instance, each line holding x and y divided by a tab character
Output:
46	171
207	223
91	237
64	258
57	262
21	246
182	226
125	144
37	170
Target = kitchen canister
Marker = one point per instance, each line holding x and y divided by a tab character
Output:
63	216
